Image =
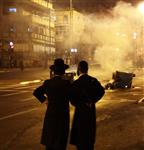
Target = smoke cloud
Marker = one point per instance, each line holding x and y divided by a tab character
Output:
116	36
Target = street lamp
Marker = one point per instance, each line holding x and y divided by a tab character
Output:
71	23
71	26
141	10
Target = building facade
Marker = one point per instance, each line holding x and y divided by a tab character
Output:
27	32
91	6
69	28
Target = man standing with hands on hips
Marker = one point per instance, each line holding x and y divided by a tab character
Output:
85	92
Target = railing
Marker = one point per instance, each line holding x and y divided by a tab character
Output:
43	3
40	20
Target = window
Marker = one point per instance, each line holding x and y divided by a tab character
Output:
9	10
65	19
12	10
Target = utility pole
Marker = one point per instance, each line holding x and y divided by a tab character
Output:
49	44
71	22
71	28
140	53
71	4
50	26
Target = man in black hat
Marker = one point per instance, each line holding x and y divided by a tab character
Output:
56	121
85	92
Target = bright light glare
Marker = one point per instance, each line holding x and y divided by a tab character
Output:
36	81
134	35
73	50
123	35
28	82
12	10
11	43
141	7
25	82
117	33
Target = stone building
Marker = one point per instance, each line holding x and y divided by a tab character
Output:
27	32
69	28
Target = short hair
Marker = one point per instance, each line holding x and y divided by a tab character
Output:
83	66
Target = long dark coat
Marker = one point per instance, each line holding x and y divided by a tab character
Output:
56	121
85	92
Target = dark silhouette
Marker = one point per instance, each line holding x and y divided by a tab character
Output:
56	121
21	65
85	92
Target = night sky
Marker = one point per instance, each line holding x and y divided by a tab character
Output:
90	5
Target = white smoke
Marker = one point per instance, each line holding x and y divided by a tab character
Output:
116	36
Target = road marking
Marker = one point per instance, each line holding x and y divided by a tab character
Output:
141	100
134	94
115	100
20	84
28	82
111	91
27	99
17	114
137	87
127	100
7	90
17	88
8	86
104	117
2	71
11	94
25	87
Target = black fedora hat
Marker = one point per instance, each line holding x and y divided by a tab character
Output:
59	66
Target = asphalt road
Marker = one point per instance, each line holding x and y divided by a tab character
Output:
120	120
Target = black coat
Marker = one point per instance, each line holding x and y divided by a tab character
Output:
56	121
85	92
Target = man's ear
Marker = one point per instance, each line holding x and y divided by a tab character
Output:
78	73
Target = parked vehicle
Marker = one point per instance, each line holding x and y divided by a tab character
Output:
67	75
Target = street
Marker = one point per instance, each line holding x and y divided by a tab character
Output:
120	124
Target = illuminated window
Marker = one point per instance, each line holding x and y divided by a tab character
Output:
12	10
11	44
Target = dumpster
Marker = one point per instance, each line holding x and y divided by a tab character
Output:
120	80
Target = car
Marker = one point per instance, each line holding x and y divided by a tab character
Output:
68	75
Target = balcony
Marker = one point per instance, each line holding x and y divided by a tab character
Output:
42	3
